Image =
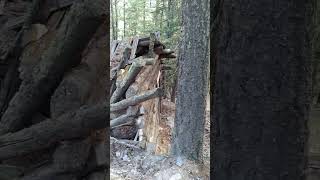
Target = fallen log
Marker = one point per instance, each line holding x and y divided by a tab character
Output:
47	133
136	99
131	114
83	20
127	81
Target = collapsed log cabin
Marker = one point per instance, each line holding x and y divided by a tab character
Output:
137	87
54	112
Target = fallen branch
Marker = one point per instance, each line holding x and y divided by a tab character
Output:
124	118
136	99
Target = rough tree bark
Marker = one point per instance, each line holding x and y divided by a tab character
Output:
192	81
262	90
63	67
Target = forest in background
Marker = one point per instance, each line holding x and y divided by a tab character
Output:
141	17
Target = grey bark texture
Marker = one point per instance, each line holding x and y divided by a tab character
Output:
262	90
192	80
126	82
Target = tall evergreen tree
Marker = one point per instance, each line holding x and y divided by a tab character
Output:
192	81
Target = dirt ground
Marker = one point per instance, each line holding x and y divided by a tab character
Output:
130	162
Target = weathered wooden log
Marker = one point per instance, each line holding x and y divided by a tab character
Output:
131	114
47	133
121	120
134	70
83	20
136	99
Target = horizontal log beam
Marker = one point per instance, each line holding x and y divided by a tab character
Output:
131	114
136	99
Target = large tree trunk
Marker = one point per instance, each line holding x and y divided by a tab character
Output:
192	81
262	90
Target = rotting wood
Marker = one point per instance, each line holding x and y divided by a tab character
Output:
131	115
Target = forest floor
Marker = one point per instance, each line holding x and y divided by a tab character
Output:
129	162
